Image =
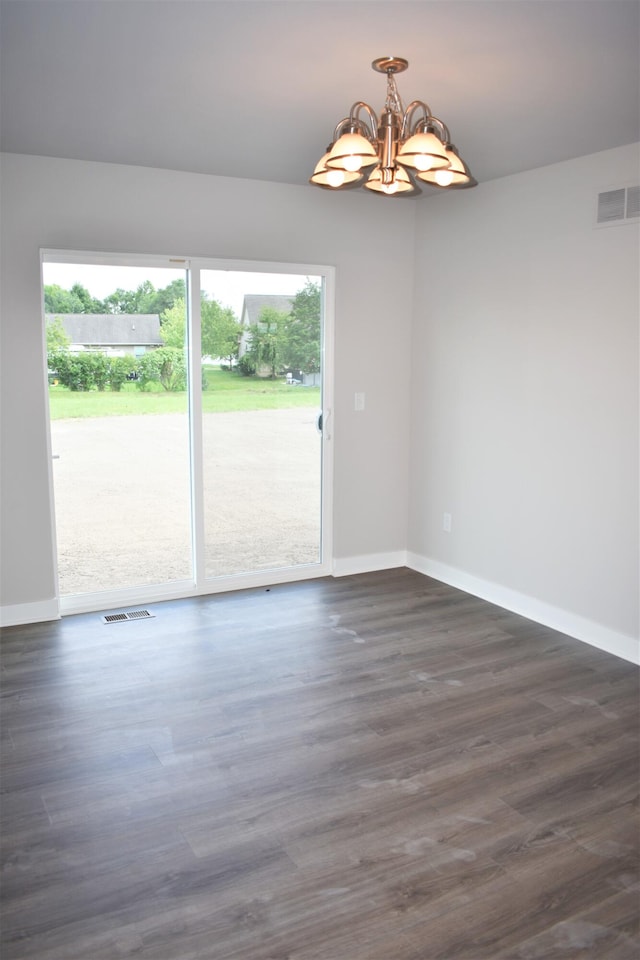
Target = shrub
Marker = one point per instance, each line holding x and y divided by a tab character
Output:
166	366
246	366
120	369
75	371
98	370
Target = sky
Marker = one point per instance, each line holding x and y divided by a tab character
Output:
226	286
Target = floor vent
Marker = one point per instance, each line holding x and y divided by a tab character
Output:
121	617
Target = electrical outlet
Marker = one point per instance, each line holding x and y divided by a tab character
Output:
446	522
358	403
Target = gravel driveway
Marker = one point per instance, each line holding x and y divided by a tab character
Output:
122	496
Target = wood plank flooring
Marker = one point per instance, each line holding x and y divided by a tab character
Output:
373	768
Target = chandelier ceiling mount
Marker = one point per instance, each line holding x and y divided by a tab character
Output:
390	64
400	149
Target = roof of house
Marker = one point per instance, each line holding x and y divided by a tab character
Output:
254	303
111	329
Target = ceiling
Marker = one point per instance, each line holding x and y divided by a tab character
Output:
255	89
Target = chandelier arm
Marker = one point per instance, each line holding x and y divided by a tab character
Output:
406	117
372	125
445	136
340	128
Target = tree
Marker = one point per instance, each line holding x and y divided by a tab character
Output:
76	300
268	340
121	301
220	330
57	339
89	304
145	298
159	301
303	330
173	323
144	294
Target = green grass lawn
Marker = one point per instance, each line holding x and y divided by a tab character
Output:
225	392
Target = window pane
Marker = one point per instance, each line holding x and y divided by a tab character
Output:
261	401
119	425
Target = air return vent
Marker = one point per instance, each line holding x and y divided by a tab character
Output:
633	202
123	617
618	206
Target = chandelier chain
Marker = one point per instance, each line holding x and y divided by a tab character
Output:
393	101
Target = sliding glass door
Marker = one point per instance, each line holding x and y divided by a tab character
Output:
261	442
186	408
119	419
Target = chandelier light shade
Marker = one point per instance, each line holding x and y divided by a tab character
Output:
456	174
383	182
389	154
324	176
424	152
351	152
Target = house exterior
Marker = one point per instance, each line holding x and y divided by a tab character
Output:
116	335
252	307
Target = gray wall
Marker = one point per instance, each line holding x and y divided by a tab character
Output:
494	332
525	393
107	207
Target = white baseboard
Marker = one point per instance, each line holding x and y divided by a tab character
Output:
16	614
368	562
596	635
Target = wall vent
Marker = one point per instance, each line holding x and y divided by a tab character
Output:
123	617
633	202
618	206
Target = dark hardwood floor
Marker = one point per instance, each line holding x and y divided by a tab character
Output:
373	768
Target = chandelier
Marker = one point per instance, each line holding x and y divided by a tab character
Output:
400	149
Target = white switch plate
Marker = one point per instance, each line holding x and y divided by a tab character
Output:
446	522
358	401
